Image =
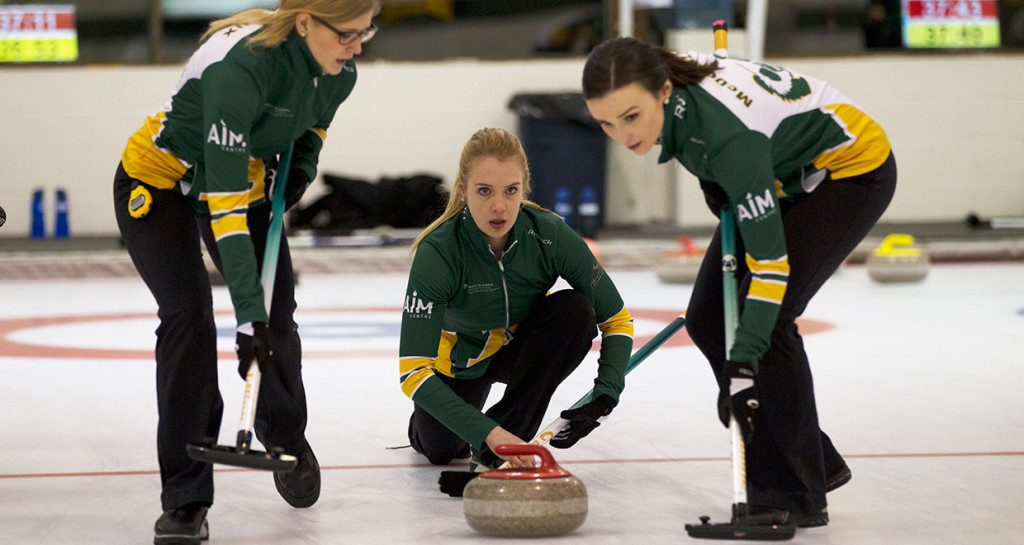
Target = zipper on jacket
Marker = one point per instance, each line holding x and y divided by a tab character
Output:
504	289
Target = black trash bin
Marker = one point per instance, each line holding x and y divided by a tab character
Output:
566	152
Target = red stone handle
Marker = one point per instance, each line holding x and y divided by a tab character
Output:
689	246
548	467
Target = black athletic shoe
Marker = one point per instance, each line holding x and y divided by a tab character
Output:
185	525
767	516
300	487
838	478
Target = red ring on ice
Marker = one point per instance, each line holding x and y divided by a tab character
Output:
16	349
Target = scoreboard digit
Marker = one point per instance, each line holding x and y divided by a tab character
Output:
951	24
38	33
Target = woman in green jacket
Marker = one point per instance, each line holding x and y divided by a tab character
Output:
808	174
260	82
478	311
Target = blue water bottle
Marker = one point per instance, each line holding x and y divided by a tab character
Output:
60	228
563	204
38	225
589	212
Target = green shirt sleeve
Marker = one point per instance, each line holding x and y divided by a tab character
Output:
231	103
743	168
433	282
578	266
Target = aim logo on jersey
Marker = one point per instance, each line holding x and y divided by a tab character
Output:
415	307
757	207
227	139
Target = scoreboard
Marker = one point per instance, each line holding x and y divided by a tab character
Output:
951	24
38	33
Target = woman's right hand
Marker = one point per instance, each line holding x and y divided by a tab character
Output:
500	436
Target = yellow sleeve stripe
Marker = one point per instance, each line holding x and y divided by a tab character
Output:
768	279
409	364
319	132
620	324
769	267
769	291
414	381
232	224
868	148
227	203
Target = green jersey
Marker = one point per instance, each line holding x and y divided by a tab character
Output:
764	133
235	107
463	304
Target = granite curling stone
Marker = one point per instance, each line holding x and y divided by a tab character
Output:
897	259
525	502
680	266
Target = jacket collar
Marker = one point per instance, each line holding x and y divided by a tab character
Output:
668	130
299	55
475	238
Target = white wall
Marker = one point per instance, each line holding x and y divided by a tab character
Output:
956	122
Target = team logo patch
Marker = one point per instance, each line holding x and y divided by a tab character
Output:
782	83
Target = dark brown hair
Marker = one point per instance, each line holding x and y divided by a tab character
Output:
619	62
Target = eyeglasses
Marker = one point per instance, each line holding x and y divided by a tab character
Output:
347	37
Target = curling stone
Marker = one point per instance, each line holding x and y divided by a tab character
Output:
680	266
897	259
525	502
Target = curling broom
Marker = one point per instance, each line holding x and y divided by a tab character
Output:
242	455
738	527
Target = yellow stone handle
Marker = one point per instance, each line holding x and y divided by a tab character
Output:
898	245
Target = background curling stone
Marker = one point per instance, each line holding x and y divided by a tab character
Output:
897	259
525	502
680	266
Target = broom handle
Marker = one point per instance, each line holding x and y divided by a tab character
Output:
543	438
267	278
729	296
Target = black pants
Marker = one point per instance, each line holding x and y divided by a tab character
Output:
164	246
789	456
548	346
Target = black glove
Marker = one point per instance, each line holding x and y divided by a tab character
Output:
454	482
582	421
255	345
738	396
298	181
714	196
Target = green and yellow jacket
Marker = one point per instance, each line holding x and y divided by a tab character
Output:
462	304
764	133
235	108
